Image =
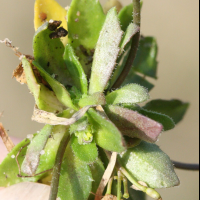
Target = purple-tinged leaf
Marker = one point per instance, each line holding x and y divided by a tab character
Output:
133	124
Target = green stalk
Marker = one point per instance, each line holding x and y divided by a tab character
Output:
119	185
58	162
125	183
149	191
134	46
109	186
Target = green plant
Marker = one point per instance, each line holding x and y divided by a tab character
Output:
109	120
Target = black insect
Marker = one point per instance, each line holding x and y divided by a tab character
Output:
54	25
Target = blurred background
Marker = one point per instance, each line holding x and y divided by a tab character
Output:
174	23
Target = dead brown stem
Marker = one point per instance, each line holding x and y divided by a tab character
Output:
6	139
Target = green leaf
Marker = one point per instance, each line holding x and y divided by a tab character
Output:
48	53
60	91
126	16
145	61
174	108
75	69
75	178
32	158
131	93
9	169
97	169
85	20
85	152
44	98
97	98
106	53
131	30
106	133
133	124
149	164
165	120
135	78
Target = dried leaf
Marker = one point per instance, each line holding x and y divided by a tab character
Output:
44	117
109	197
106	176
6	139
19	74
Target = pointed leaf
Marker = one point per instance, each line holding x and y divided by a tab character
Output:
149	164
32	158
133	124
135	78
46	10
97	169
131	30
97	98
174	108
75	178
44	98
75	69
86	152
60	91
145	61
48	53
131	93
165	120
106	133
106	53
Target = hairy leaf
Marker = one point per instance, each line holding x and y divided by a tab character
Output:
165	120
133	124
106	133
174	108
131	30
60	91
37	145
149	164
95	167
126	16
106	53
44	98
131	93
85	152
145	61
48	53
97	98
75	69
46	10
75	178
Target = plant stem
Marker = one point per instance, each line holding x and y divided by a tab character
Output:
134	46
57	166
109	186
119	185
186	166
